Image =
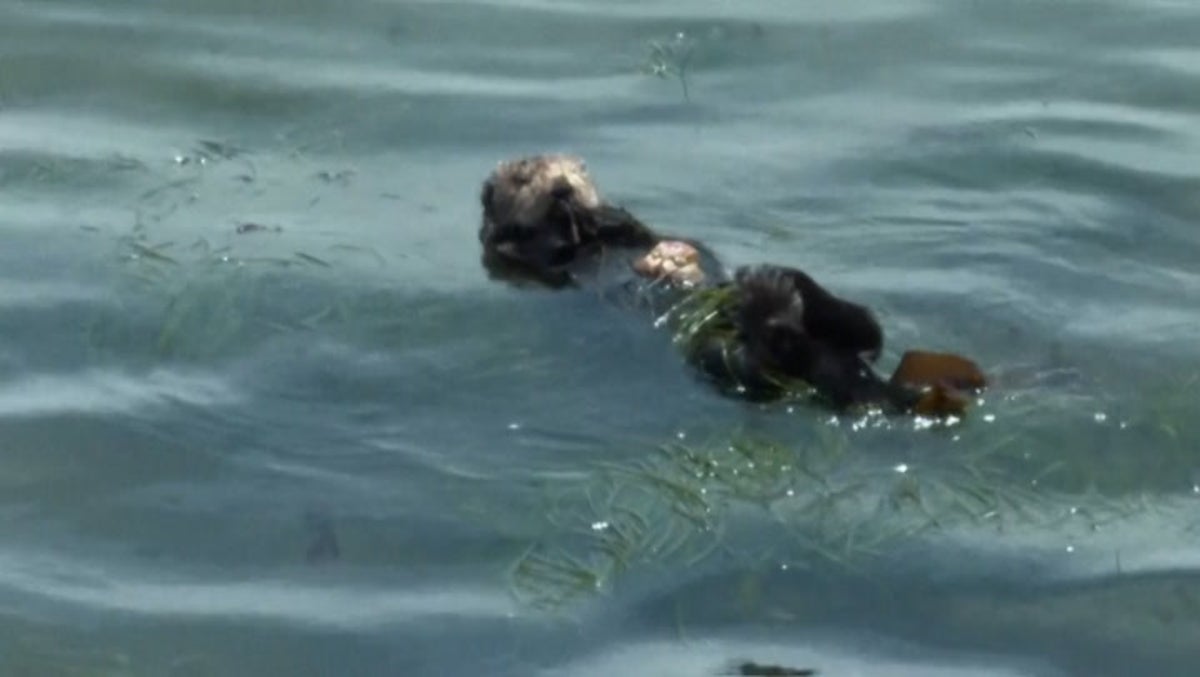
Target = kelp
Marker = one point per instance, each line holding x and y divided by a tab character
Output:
670	59
211	297
702	318
822	503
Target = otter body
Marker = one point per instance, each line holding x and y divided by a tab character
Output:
545	223
778	326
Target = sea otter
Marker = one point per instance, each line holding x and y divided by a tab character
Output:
756	335
544	222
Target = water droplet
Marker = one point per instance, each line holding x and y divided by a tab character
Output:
901	468
791	492
680	435
1070	548
1074	510
784	567
990	418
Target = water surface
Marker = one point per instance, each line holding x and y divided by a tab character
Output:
333	446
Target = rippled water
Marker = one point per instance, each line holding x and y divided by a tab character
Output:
333	446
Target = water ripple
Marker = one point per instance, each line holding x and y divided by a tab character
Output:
107	392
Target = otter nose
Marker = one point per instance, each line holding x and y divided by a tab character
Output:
562	190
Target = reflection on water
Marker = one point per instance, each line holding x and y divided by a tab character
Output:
262	412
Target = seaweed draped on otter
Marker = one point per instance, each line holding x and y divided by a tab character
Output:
774	329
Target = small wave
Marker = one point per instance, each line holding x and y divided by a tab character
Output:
21	293
345	606
109	392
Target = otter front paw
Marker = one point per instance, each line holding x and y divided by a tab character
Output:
674	261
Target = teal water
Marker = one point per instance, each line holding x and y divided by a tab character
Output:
334	447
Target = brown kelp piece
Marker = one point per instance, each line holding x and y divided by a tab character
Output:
921	368
944	380
941	400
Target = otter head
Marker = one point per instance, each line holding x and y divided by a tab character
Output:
536	211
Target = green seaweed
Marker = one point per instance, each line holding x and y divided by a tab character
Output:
672	508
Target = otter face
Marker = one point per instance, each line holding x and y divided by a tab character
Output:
535	210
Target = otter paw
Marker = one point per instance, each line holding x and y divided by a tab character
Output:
672	260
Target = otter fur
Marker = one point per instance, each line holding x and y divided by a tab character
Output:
779	326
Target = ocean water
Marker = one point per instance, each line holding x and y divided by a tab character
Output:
330	445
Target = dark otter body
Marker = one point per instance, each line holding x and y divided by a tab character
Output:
779	326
